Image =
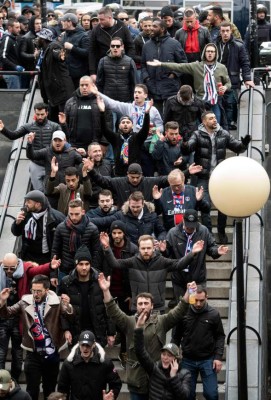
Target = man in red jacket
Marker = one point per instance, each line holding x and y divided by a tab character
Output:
17	275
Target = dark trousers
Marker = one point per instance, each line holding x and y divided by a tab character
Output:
37	367
9	330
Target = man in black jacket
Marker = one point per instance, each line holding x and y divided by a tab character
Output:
64	154
126	143
81	117
232	53
9	56
202	356
161	83
101	36
180	241
116	74
106	205
86	373
75	230
76	43
36	223
210	143
148	269
87	300
43	129
139	217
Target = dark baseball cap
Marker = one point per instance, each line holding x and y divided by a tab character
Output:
134	169
87	337
191	218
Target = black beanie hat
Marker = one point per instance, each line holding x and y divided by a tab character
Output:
82	254
118	225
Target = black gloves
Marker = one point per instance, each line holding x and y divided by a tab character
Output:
246	140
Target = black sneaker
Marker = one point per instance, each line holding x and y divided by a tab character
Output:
232	127
222	238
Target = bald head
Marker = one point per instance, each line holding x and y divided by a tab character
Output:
10	257
9	264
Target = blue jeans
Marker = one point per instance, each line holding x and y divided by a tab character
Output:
12	81
138	396
208	376
9	329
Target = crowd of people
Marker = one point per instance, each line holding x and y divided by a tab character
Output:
134	119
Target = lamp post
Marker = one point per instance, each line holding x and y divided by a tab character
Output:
239	187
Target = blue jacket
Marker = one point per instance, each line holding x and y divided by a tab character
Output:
164	49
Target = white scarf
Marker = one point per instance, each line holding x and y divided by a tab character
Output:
30	229
210	92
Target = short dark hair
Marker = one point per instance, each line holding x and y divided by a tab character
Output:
41	106
136	196
71	171
203	16
146	295
205	113
143	87
171	125
106	192
146	19
186	92
43	279
11	22
161	22
217	11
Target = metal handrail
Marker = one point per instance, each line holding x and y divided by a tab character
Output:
15	160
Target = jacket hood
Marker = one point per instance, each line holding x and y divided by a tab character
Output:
161	38
147	206
203	53
99	354
203	129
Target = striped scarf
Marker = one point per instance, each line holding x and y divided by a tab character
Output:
210	92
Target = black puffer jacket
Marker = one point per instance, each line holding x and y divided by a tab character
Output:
100	39
71	111
87	380
77	57
116	77
101	326
67	158
164	49
200	143
187	115
162	385
61	245
234	57
149	276
43	134
176	247
149	224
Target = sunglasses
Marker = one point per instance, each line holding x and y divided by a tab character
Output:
51	15
12	268
1	17
124	19
115	46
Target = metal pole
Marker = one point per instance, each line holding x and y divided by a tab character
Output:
253	45
241	315
43	11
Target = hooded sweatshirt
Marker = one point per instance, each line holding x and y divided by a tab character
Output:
196	69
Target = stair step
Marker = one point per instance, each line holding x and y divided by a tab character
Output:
218	271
